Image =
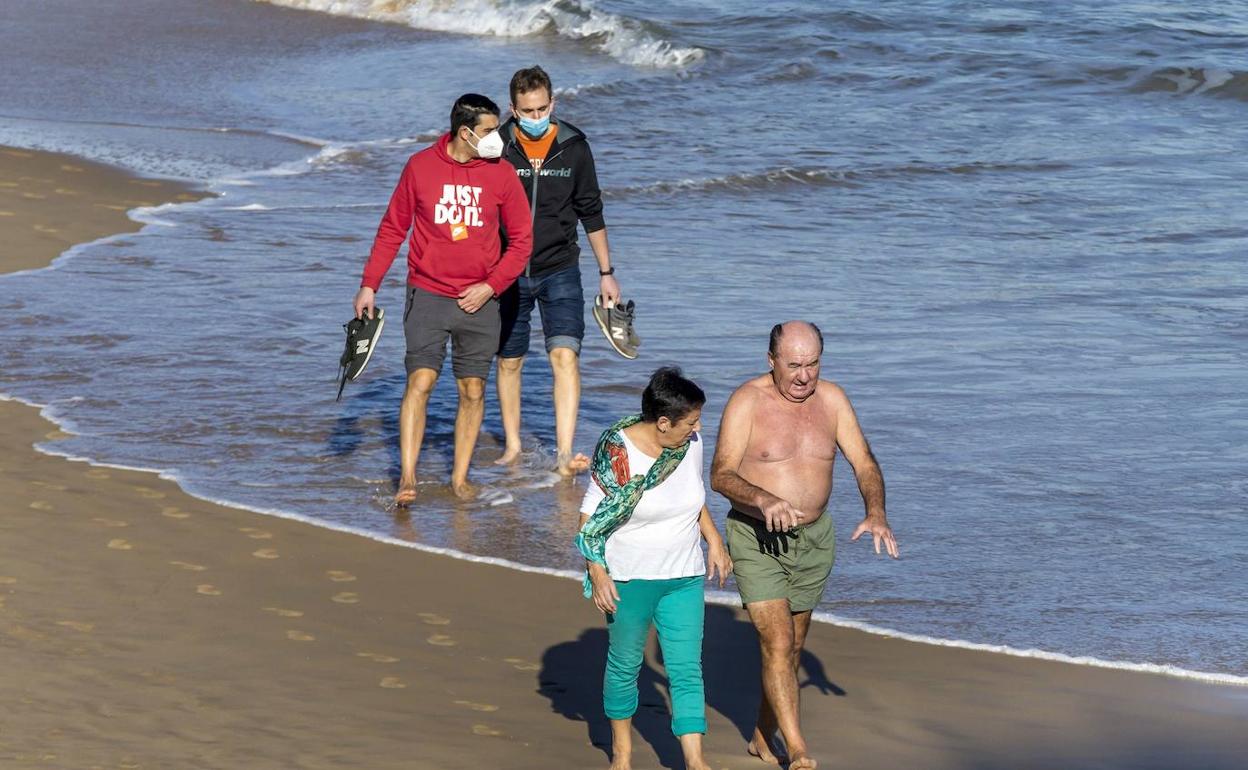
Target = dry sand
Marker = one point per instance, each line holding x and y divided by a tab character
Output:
142	628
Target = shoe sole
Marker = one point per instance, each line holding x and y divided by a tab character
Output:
372	343
606	332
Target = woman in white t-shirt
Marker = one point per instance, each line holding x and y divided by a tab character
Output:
643	519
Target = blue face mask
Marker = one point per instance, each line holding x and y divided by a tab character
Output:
535	128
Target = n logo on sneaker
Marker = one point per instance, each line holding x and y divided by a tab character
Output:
361	347
619	333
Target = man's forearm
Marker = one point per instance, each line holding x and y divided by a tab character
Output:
602	252
744	496
871	487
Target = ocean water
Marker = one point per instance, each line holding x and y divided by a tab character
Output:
1022	231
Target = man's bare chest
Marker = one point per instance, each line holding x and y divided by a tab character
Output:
780	435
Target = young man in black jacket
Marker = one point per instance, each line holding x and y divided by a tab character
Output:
554	164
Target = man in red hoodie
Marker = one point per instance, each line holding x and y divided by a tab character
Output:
453	197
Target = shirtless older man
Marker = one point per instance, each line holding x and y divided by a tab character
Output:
773	460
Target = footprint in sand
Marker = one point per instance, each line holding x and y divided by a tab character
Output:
485	730
6	214
284	613
476	706
34	196
66	191
433	619
41	505
74	169
6	580
149	493
346	597
441	640
520	664
46	229
266	553
77	625
119	545
392	683
340	576
186	565
49	485
8	184
377	657
256	534
207	590
110	207
96	473
299	636
174	512
111	522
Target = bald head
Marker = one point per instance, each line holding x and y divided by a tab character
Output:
794	332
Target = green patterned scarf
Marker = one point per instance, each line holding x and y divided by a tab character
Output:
609	469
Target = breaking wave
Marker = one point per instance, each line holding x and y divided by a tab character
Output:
631	41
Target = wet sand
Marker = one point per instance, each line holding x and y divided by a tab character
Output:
142	628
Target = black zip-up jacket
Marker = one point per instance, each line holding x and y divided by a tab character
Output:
564	191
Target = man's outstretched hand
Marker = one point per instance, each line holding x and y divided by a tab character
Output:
880	533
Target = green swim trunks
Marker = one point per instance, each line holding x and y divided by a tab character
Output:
781	565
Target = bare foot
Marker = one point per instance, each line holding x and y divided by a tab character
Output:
570	466
697	764
765	750
802	762
406	495
509	456
622	762
464	490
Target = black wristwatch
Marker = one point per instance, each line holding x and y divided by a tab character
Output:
610	271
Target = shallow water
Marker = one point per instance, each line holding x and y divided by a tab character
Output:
1022	232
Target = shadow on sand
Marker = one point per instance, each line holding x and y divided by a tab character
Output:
571	677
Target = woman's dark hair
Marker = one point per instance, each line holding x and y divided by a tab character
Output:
670	395
468	109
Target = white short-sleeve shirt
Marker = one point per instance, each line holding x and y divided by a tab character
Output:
661	539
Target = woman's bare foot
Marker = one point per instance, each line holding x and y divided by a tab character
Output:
622	762
802	762
568	466
464	490
509	456
406	495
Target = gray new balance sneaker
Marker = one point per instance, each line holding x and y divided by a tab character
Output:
616	323
362	336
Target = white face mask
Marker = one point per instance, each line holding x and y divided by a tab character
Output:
489	147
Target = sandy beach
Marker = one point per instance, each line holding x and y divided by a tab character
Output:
144	628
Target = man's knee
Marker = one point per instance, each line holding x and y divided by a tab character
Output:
471	390
565	359
780	648
420	383
510	365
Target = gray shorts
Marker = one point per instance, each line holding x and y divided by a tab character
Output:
429	320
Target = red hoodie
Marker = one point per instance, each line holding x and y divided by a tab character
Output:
457	209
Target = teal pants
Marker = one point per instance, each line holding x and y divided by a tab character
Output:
677	609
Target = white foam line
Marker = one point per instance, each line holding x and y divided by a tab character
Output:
722	598
144	215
